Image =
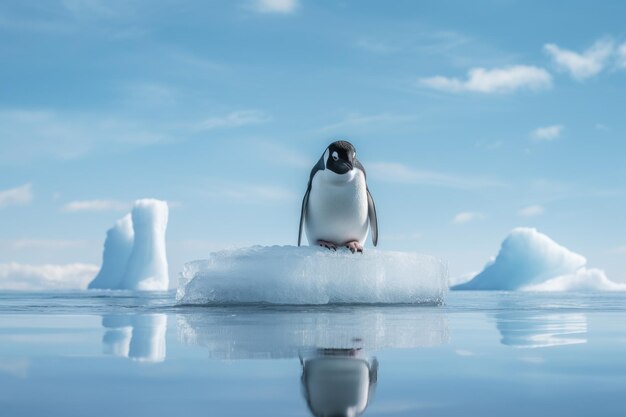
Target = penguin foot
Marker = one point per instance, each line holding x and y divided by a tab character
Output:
354	246
326	244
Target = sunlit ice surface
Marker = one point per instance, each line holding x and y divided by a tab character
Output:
290	275
496	353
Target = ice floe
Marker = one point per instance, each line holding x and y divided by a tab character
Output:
312	275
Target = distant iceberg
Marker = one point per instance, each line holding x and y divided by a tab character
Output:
311	275
529	260
117	248
134	255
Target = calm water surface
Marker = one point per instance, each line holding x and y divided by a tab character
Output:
481	354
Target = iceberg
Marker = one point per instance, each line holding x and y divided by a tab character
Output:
147	265
134	256
584	279
118	246
312	275
531	261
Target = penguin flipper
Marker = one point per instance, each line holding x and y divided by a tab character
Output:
371	214
305	203
319	166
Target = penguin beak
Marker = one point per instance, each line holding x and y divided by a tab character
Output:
348	165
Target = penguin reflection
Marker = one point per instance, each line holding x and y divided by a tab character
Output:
140	337
337	382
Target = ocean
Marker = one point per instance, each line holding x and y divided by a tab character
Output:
107	353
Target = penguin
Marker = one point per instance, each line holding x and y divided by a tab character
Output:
338	208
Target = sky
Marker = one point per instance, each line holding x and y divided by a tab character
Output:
471	119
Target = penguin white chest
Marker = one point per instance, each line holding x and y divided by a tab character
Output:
337	209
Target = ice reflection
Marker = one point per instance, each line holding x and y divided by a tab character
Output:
536	329
139	337
286	333
338	382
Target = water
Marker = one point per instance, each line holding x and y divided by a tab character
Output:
486	354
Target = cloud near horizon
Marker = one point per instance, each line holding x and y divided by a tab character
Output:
25	277
493	81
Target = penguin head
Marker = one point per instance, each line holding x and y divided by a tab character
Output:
340	157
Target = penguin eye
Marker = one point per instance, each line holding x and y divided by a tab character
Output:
335	156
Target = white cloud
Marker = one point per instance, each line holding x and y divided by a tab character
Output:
355	120
621	55
395	172
274	6
22	195
497	80
95	205
582	65
547	133
530	211
234	119
24	277
466	217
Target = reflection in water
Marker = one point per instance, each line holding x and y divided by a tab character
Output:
337	378
535	329
287	333
337	382
140	337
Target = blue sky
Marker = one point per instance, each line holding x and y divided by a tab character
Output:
472	118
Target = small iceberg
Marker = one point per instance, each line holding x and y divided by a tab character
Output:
311	275
134	256
530	261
